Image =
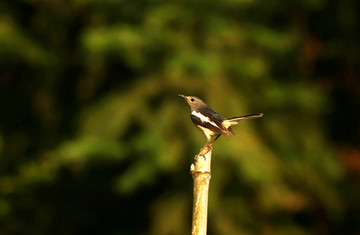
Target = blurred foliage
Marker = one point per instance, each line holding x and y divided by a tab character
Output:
94	140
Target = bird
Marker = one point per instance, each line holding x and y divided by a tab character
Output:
210	122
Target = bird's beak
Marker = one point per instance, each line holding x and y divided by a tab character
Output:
183	96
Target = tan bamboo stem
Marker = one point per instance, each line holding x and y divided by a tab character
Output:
201	174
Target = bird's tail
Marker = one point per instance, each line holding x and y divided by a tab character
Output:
233	121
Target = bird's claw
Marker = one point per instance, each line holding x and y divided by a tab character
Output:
204	151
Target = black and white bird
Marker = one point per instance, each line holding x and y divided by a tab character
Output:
209	121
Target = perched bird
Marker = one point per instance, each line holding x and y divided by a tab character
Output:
209	121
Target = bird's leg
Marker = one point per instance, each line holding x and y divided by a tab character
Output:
204	150
208	146
214	140
209	143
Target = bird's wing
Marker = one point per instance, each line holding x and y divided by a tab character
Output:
211	116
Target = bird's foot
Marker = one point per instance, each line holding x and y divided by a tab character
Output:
204	150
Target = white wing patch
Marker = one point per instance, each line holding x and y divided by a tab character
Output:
204	118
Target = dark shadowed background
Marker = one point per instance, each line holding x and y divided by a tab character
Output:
95	140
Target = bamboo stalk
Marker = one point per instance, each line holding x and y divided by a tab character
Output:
201	174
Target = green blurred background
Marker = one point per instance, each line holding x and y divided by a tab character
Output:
95	140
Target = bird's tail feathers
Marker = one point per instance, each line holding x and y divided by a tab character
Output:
234	120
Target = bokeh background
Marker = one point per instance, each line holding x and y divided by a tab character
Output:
95	140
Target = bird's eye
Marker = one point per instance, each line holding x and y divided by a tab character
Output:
192	99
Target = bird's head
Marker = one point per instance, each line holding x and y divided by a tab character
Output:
194	102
